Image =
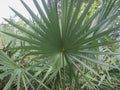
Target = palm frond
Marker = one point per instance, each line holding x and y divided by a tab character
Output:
68	38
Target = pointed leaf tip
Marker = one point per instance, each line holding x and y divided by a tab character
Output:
12	9
22	2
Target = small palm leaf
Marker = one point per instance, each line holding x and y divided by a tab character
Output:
10	69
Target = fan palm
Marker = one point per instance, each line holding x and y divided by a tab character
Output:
64	45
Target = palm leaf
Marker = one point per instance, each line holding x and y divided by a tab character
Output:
60	39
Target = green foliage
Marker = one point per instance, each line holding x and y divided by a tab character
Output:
4	39
63	51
